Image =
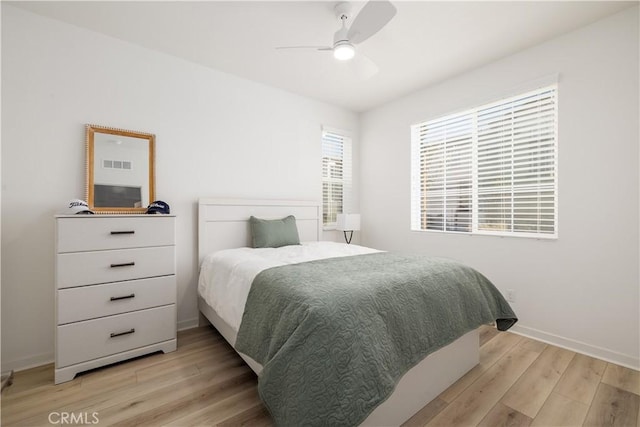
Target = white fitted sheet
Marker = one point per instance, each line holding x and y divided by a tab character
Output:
226	276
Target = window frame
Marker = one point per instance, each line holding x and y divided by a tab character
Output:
347	173
416	181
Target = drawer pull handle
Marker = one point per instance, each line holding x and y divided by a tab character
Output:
122	297
124	232
117	334
124	264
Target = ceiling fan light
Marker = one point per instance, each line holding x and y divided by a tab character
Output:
344	52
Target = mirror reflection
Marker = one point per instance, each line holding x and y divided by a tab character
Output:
120	169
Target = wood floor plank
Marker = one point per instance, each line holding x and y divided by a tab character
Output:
623	378
201	336
504	416
481	396
69	393
490	353
22	394
218	412
103	379
155	400
613	407
423	416
211	366
178	407
256	416
147	373
29	379
463	383
580	381
176	371
487	332
559	410
187	335
533	388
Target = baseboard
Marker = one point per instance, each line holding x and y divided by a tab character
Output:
188	324
17	365
578	346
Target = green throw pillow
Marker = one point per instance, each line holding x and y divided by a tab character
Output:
273	233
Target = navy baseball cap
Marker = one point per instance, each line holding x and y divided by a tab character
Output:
158	207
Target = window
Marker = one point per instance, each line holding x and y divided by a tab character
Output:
490	170
336	175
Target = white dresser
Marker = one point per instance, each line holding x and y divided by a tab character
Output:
115	289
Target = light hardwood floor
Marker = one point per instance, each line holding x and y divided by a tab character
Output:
519	382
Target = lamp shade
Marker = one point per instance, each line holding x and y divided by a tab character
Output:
348	222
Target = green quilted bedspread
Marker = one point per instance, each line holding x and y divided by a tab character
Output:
334	336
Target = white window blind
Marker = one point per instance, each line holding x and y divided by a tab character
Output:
489	170
336	175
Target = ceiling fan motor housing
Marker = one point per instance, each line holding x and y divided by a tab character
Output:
343	11
342	47
343	50
341	36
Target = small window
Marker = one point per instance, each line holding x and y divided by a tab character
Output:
336	176
489	170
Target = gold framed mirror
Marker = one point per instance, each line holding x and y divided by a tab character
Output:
120	170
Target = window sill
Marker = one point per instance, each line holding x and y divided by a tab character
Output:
501	235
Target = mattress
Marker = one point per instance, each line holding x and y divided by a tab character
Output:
226	276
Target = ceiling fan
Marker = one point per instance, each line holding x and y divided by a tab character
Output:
371	19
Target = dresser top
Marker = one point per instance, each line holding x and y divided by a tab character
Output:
115	216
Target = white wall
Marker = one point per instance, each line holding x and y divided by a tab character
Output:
580	291
217	135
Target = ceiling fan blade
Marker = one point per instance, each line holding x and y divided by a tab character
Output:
305	47
363	66
373	16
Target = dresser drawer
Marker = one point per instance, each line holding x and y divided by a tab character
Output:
90	302
88	268
98	233
91	339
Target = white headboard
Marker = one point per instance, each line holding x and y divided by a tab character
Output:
224	223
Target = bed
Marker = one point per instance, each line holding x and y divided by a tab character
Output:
223	225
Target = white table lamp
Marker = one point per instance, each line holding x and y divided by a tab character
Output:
348	222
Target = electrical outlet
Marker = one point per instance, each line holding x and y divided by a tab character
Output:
511	295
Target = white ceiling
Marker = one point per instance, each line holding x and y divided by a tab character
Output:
424	43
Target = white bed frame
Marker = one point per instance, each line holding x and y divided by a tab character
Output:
223	224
